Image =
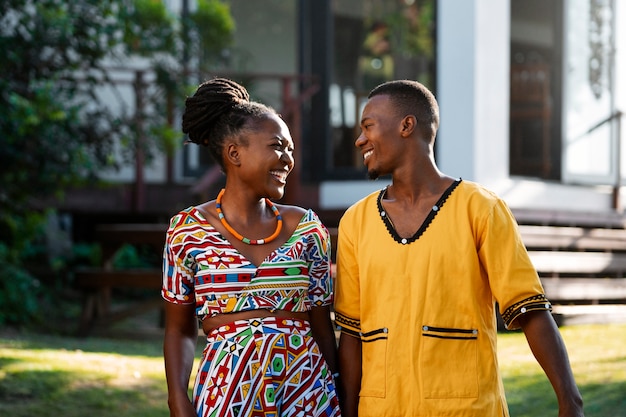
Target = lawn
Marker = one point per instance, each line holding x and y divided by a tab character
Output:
67	377
598	357
51	376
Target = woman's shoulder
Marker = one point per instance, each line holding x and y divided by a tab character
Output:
300	219
293	214
191	216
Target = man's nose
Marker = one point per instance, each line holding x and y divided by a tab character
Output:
360	140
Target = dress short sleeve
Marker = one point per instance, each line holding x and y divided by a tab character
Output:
318	255
178	264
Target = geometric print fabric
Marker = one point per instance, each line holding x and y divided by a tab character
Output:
269	367
201	266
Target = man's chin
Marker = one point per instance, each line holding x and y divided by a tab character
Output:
373	174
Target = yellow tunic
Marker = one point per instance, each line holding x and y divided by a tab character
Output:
425	311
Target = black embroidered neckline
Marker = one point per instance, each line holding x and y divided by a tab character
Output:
427	221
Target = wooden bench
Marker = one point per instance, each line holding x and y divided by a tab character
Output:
97	284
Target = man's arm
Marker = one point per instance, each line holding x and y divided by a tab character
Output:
549	349
350	370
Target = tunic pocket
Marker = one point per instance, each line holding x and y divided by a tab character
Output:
449	362
374	351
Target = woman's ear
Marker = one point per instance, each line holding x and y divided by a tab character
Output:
408	125
232	156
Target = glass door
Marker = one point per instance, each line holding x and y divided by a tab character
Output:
589	131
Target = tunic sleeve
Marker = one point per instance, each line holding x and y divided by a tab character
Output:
318	256
348	299
178	267
512	276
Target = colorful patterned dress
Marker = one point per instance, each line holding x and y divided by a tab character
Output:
257	367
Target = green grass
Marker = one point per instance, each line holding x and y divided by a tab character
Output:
45	376
52	376
598	357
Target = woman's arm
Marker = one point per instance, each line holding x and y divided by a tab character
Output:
324	334
179	343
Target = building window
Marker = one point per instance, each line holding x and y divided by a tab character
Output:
368	42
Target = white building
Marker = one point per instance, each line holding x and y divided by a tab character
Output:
530	93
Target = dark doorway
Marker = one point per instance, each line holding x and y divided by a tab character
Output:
536	85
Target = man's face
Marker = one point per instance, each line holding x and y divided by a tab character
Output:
378	130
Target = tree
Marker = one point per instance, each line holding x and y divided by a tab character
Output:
55	130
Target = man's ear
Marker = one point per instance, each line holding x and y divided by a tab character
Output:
231	152
408	125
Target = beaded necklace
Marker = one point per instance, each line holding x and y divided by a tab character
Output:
220	214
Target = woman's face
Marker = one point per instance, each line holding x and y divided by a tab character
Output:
267	158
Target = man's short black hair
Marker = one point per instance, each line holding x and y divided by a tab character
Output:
412	98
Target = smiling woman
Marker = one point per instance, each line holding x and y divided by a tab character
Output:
256	274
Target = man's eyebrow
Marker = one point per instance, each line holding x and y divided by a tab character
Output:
363	120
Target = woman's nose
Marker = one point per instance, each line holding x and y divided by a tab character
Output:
288	158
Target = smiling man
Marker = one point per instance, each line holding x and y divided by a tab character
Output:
420	267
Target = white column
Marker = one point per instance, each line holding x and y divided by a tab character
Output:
620	74
473	48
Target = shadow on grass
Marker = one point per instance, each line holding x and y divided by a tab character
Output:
530	398
605	399
66	394
151	347
528	395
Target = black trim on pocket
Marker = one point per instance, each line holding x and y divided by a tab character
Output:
449	333
378	334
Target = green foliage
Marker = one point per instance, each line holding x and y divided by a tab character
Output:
18	290
411	29
213	27
63	113
131	256
53	130
148	27
85	254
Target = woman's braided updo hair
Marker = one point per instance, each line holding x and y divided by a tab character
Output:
219	109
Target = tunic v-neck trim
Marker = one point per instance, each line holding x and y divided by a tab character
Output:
429	218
